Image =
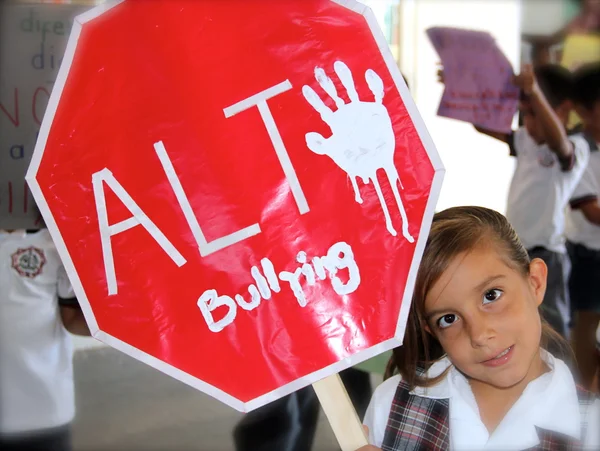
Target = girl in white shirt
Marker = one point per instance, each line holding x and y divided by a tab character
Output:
473	370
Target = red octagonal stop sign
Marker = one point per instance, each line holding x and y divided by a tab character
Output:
240	190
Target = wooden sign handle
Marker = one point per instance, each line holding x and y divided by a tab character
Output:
340	412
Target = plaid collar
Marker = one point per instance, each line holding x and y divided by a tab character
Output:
441	390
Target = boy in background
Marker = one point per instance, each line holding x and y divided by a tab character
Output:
583	228
549	167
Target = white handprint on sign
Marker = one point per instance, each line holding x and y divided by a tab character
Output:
362	139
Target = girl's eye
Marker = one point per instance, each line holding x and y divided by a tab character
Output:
491	296
447	321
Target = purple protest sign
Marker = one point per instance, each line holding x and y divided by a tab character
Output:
477	76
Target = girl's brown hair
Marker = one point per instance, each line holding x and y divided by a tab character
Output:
453	232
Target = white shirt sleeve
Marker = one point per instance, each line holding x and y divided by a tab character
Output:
592	439
378	412
581	149
64	288
586	188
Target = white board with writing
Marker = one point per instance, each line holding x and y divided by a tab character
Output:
33	38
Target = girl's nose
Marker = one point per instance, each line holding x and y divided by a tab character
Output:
480	332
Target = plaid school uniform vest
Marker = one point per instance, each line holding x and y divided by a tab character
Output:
417	423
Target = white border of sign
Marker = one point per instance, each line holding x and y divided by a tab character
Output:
159	364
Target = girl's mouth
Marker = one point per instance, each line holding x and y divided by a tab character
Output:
501	358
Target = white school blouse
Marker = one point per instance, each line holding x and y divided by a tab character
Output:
549	402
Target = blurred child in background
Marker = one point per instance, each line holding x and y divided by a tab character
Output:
549	167
583	228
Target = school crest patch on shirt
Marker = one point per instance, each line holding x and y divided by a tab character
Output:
29	262
546	158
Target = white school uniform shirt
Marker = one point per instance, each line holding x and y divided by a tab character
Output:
36	370
540	191
549	402
578	229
